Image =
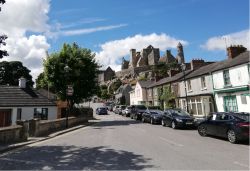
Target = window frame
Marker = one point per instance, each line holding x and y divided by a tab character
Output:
226	78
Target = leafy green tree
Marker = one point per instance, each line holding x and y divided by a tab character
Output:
114	86
162	69
82	73
2	39
168	97
10	72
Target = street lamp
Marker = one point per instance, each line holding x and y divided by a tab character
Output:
183	67
67	70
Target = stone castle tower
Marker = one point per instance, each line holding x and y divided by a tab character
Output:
180	54
148	56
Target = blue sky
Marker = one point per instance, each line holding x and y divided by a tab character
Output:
194	21
111	27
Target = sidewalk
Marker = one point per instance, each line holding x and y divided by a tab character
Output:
31	140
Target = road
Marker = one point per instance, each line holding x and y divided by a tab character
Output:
119	143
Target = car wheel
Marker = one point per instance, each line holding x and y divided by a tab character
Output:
152	121
162	123
173	125
231	135
142	119
202	130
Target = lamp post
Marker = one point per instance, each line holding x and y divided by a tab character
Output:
183	67
67	70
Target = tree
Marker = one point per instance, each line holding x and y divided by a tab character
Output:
162	69
10	72
2	39
82	74
103	92
168	97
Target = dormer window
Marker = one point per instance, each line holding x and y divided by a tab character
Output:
203	83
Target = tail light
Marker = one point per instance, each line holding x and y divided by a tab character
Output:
243	124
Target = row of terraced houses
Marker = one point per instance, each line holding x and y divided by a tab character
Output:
220	86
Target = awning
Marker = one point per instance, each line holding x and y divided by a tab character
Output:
232	89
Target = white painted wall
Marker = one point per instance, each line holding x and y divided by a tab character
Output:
219	98
28	112
238	77
196	86
138	95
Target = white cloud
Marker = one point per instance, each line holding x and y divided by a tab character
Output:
220	42
90	30
111	52
18	18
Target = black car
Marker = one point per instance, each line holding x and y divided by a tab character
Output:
101	111
177	118
137	111
233	126
152	116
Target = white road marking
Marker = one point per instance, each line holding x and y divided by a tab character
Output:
171	142
241	164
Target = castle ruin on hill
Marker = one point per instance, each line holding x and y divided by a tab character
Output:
148	57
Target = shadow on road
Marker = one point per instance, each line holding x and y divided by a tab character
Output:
116	123
73	158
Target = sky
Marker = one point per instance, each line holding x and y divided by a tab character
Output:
110	28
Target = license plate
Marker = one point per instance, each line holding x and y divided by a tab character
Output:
189	123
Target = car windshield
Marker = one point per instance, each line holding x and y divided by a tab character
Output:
245	117
141	107
123	107
129	107
179	113
103	108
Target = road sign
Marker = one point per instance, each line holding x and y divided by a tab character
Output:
70	90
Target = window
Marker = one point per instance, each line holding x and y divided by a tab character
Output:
138	92
41	113
203	83
243	99
19	114
189	85
226	78
155	92
248	67
149	92
230	104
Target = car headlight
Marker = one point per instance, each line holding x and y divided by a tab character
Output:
178	120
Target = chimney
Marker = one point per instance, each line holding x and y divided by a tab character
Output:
234	51
22	82
172	72
197	63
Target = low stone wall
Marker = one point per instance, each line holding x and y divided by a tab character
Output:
11	134
43	128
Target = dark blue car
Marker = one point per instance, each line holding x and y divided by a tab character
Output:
152	116
177	118
233	126
101	111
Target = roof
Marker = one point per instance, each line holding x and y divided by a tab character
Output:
14	96
169	79
145	84
238	60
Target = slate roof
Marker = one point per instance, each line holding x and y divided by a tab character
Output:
14	96
238	60
145	84
169	79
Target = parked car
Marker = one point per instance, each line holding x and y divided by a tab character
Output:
121	107
127	111
137	111
152	116
233	126
101	111
177	118
109	106
115	109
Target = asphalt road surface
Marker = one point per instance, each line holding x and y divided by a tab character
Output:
119	143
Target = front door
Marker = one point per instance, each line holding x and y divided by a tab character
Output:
5	117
